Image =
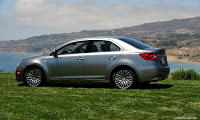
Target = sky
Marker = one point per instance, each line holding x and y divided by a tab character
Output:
20	19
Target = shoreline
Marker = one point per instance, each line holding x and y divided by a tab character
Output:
182	61
23	52
177	58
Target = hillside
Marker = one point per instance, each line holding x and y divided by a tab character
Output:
180	38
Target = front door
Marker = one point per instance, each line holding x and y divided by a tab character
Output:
70	63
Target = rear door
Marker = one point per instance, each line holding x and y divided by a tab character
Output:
102	55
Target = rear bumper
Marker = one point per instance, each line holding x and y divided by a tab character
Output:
154	74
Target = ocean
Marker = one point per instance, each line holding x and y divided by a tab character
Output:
9	62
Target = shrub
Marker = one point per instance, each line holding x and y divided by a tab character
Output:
181	74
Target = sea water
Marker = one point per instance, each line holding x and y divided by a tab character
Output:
9	62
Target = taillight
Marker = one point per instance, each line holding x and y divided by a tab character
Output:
149	56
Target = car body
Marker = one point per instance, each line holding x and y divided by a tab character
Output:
107	59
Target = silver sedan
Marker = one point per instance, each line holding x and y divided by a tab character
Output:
121	61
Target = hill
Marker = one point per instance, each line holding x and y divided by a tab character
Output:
180	38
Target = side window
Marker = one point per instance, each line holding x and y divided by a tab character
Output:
103	46
114	47
76	47
100	46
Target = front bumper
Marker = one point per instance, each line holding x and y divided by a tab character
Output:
19	74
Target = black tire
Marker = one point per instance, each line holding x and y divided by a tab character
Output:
34	77
124	78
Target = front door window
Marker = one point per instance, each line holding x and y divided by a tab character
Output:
77	47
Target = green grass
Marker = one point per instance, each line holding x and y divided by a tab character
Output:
166	99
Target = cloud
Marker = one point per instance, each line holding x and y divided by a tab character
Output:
86	14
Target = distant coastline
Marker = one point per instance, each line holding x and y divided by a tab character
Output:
186	59
182	61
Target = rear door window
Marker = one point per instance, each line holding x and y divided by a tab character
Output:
103	46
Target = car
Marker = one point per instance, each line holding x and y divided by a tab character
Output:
117	60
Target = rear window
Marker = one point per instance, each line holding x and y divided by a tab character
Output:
135	43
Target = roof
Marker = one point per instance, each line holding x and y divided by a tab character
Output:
116	37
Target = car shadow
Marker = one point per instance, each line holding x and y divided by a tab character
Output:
153	86
108	86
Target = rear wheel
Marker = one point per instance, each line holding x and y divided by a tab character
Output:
34	77
124	78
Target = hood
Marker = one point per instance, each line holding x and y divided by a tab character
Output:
34	57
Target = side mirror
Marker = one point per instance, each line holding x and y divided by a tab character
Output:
55	54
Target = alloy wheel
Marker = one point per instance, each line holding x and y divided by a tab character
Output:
34	77
123	79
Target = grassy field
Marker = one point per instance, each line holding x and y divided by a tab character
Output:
167	99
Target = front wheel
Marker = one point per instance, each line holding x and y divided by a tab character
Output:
124	79
34	77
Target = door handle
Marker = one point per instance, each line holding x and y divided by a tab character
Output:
112	57
80	59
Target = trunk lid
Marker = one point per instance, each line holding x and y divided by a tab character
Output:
160	54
